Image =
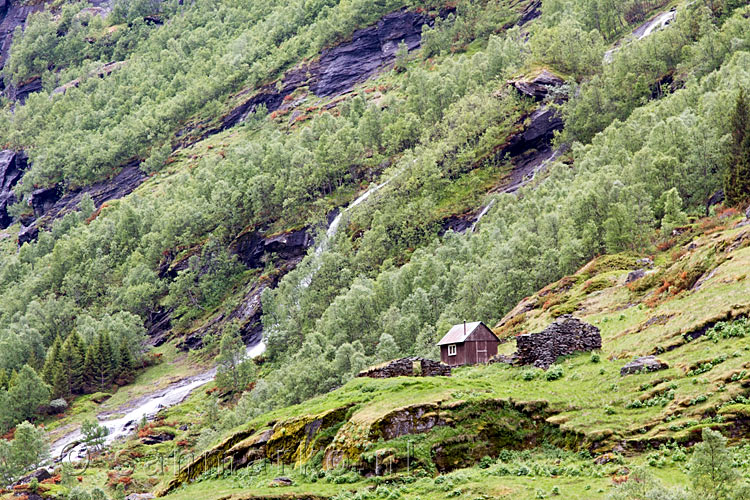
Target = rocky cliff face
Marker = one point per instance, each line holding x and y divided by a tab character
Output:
341	67
50	203
12	14
12	165
253	250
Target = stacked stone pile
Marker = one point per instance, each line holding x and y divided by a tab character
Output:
564	336
404	367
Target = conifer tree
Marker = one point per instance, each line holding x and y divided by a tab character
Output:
26	394
71	363
51	360
737	180
98	363
60	382
125	374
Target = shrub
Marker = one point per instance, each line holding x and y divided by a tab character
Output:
555	372
58	405
595	357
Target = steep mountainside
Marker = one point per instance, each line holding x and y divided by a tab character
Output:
214	215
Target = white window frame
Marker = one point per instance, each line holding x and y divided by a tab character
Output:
452	350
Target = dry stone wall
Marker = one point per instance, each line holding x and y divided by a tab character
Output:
565	336
404	367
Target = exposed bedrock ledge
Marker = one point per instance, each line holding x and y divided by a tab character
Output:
248	314
12	166
253	250
50	203
12	15
340	68
23	90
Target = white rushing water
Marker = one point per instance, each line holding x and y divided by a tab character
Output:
657	23
484	211
148	406
333	227
660	21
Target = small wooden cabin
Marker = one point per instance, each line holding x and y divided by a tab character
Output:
468	344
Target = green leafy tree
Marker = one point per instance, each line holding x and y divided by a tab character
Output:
387	348
28	450
673	214
231	374
711	472
94	434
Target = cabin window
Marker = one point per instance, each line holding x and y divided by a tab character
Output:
452	350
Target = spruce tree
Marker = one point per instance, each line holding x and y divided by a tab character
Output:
72	361
51	360
60	382
125	374
98	363
737	180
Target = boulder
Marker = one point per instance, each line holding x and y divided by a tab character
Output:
157	438
140	496
643	364
715	199
39	474
280	482
539	87
747	212
645	262
635	275
605	459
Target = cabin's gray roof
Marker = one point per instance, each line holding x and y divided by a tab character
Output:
459	333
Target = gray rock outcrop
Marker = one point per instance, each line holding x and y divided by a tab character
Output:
635	275
539	87
51	203
643	364
339	68
12	166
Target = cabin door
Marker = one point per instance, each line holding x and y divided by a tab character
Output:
482	351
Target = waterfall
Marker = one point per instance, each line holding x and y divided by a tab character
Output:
336	222
649	27
484	211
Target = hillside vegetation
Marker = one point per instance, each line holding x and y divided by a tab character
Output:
202	173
